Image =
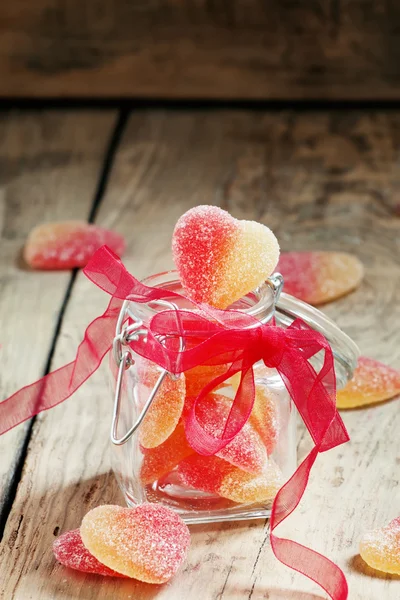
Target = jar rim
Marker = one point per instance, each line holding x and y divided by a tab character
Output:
260	303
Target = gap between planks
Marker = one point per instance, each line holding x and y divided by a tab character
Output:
105	169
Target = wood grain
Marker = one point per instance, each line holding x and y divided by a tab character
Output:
200	49
49	165
321	181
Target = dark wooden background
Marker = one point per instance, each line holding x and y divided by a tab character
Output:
246	49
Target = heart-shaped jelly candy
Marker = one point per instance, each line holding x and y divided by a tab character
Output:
162	459
221	259
246	450
166	407
148	542
319	277
215	475
372	382
380	548
70	552
68	244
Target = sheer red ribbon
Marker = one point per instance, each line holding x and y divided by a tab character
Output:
211	337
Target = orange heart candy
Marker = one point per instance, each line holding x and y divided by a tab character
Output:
380	548
68	244
372	382
319	277
165	410
221	259
148	542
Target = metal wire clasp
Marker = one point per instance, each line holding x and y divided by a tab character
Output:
124	360
275	282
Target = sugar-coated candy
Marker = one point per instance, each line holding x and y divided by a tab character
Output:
69	550
220	259
264	416
68	244
215	475
246	450
161	460
245	487
165	410
380	548
148	542
372	382
319	277
204	473
198	377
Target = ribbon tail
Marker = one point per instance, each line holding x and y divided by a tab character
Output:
57	386
310	563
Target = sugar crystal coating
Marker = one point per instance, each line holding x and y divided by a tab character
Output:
221	259
69	550
264	416
250	262
372	382
246	450
148	542
201	240
166	408
215	475
204	473
245	487
161	460
68	244
319	277
380	548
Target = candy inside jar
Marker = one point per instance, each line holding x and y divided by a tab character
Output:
157	463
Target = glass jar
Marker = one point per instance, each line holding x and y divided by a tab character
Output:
152	459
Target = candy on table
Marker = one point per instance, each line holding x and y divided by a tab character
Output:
198	377
68	244
69	550
246	450
380	548
148	542
372	382
319	277
165	410
219	258
161	460
215	475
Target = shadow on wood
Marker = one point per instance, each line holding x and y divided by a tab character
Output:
356	563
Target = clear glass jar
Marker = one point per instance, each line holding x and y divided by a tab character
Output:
157	465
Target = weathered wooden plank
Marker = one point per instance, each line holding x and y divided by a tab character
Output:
49	165
196	48
322	181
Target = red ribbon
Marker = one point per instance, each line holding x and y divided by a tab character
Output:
215	337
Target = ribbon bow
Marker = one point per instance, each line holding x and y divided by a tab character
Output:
211	337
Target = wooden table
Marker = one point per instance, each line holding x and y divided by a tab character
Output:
321	180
